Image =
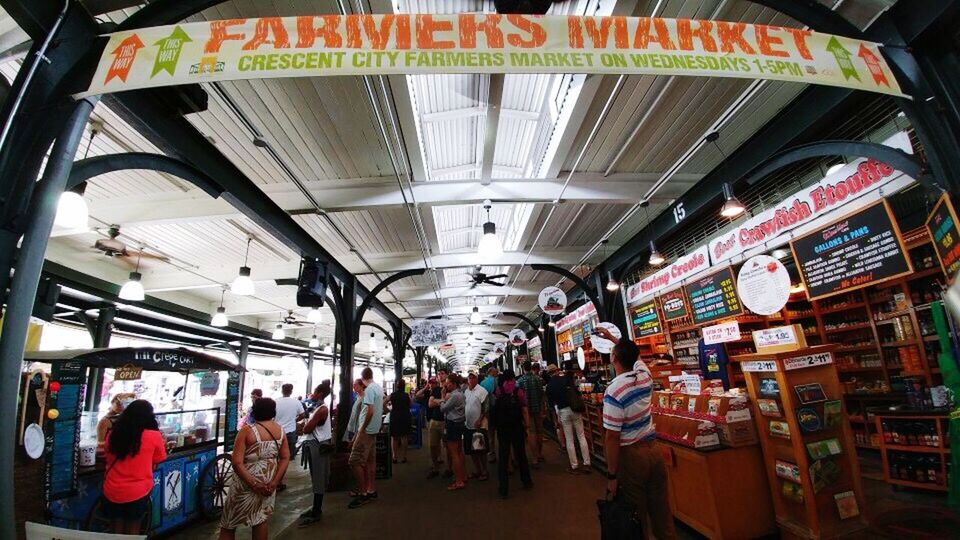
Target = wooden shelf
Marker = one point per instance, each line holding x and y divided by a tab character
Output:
916	449
867	447
921	485
847	307
857	348
932	271
858	369
903	343
850	328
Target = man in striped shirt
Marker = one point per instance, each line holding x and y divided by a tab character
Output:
633	464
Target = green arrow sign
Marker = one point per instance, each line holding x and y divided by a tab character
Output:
843	57
169	53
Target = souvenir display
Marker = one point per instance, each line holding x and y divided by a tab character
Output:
769	407
810	393
809	420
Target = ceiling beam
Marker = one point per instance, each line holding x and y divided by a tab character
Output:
373	194
494	101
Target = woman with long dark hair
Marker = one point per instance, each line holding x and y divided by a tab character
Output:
133	448
260	458
400	421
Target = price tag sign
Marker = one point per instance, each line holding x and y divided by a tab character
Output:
721	333
758	366
692	384
942	226
810	360
778	339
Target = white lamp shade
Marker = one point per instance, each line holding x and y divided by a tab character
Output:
132	290
475	317
219	318
372	343
315	316
732	208
243	285
314	341
328	349
279	334
490	245
72	212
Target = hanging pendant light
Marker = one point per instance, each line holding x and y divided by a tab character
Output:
220	317
612	284
315	316
656	259
489	246
732	207
133	289
278	333
242	285
328	348
373	342
551	324
314	342
475	317
72	212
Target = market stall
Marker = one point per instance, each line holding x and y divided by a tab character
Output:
192	481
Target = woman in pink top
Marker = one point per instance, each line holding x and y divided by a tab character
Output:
133	448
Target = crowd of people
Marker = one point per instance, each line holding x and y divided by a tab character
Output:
496	418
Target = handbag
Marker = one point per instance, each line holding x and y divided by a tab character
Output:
619	519
576	400
478	442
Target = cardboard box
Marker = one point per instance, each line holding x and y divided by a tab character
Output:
734	434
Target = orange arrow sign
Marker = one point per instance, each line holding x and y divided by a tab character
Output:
125	53
873	64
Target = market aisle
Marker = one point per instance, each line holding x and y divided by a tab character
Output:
560	505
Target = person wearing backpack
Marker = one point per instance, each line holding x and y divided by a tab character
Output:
511	417
570	407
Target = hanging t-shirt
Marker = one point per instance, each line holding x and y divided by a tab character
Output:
713	362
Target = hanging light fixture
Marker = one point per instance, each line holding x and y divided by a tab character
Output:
278	333
328	348
475	317
551	324
373	342
133	289
612	284
489	246
242	285
315	316
656	259
732	207
72	212
220	317
314	342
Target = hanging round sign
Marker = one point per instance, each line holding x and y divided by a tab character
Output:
517	337
34	441
553	301
602	345
763	285
581	358
499	349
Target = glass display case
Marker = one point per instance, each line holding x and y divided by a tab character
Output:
183	430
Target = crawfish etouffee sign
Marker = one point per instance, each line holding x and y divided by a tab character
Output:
328	45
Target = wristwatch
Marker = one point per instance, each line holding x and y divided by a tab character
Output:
611	476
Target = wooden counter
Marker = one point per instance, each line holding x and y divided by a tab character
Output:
721	493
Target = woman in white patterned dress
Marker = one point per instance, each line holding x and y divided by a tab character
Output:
260	457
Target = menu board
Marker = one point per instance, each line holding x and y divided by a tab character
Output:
646	320
233	409
63	433
576	335
858	250
674	304
942	226
714	297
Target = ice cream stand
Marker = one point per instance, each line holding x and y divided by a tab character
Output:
193	480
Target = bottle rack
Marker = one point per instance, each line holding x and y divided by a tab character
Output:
914	450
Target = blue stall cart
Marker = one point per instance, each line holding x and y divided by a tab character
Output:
193	481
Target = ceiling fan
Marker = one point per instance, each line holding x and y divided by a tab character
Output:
292	320
479	278
113	247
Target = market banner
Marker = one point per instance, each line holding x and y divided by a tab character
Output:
330	45
669	276
849	183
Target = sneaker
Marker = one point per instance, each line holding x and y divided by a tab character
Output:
358	502
307	514
308	520
585	469
372	495
572	470
432	474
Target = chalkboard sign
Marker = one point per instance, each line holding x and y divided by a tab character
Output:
63	433
858	250
714	297
942	226
646	320
674	304
233	409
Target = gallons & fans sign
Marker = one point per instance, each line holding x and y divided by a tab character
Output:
330	45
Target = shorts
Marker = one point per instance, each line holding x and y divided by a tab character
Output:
363	449
454	431
129	511
535	426
435	433
292	443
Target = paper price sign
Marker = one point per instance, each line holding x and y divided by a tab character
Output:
721	333
808	361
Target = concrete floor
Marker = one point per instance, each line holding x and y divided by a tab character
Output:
560	506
